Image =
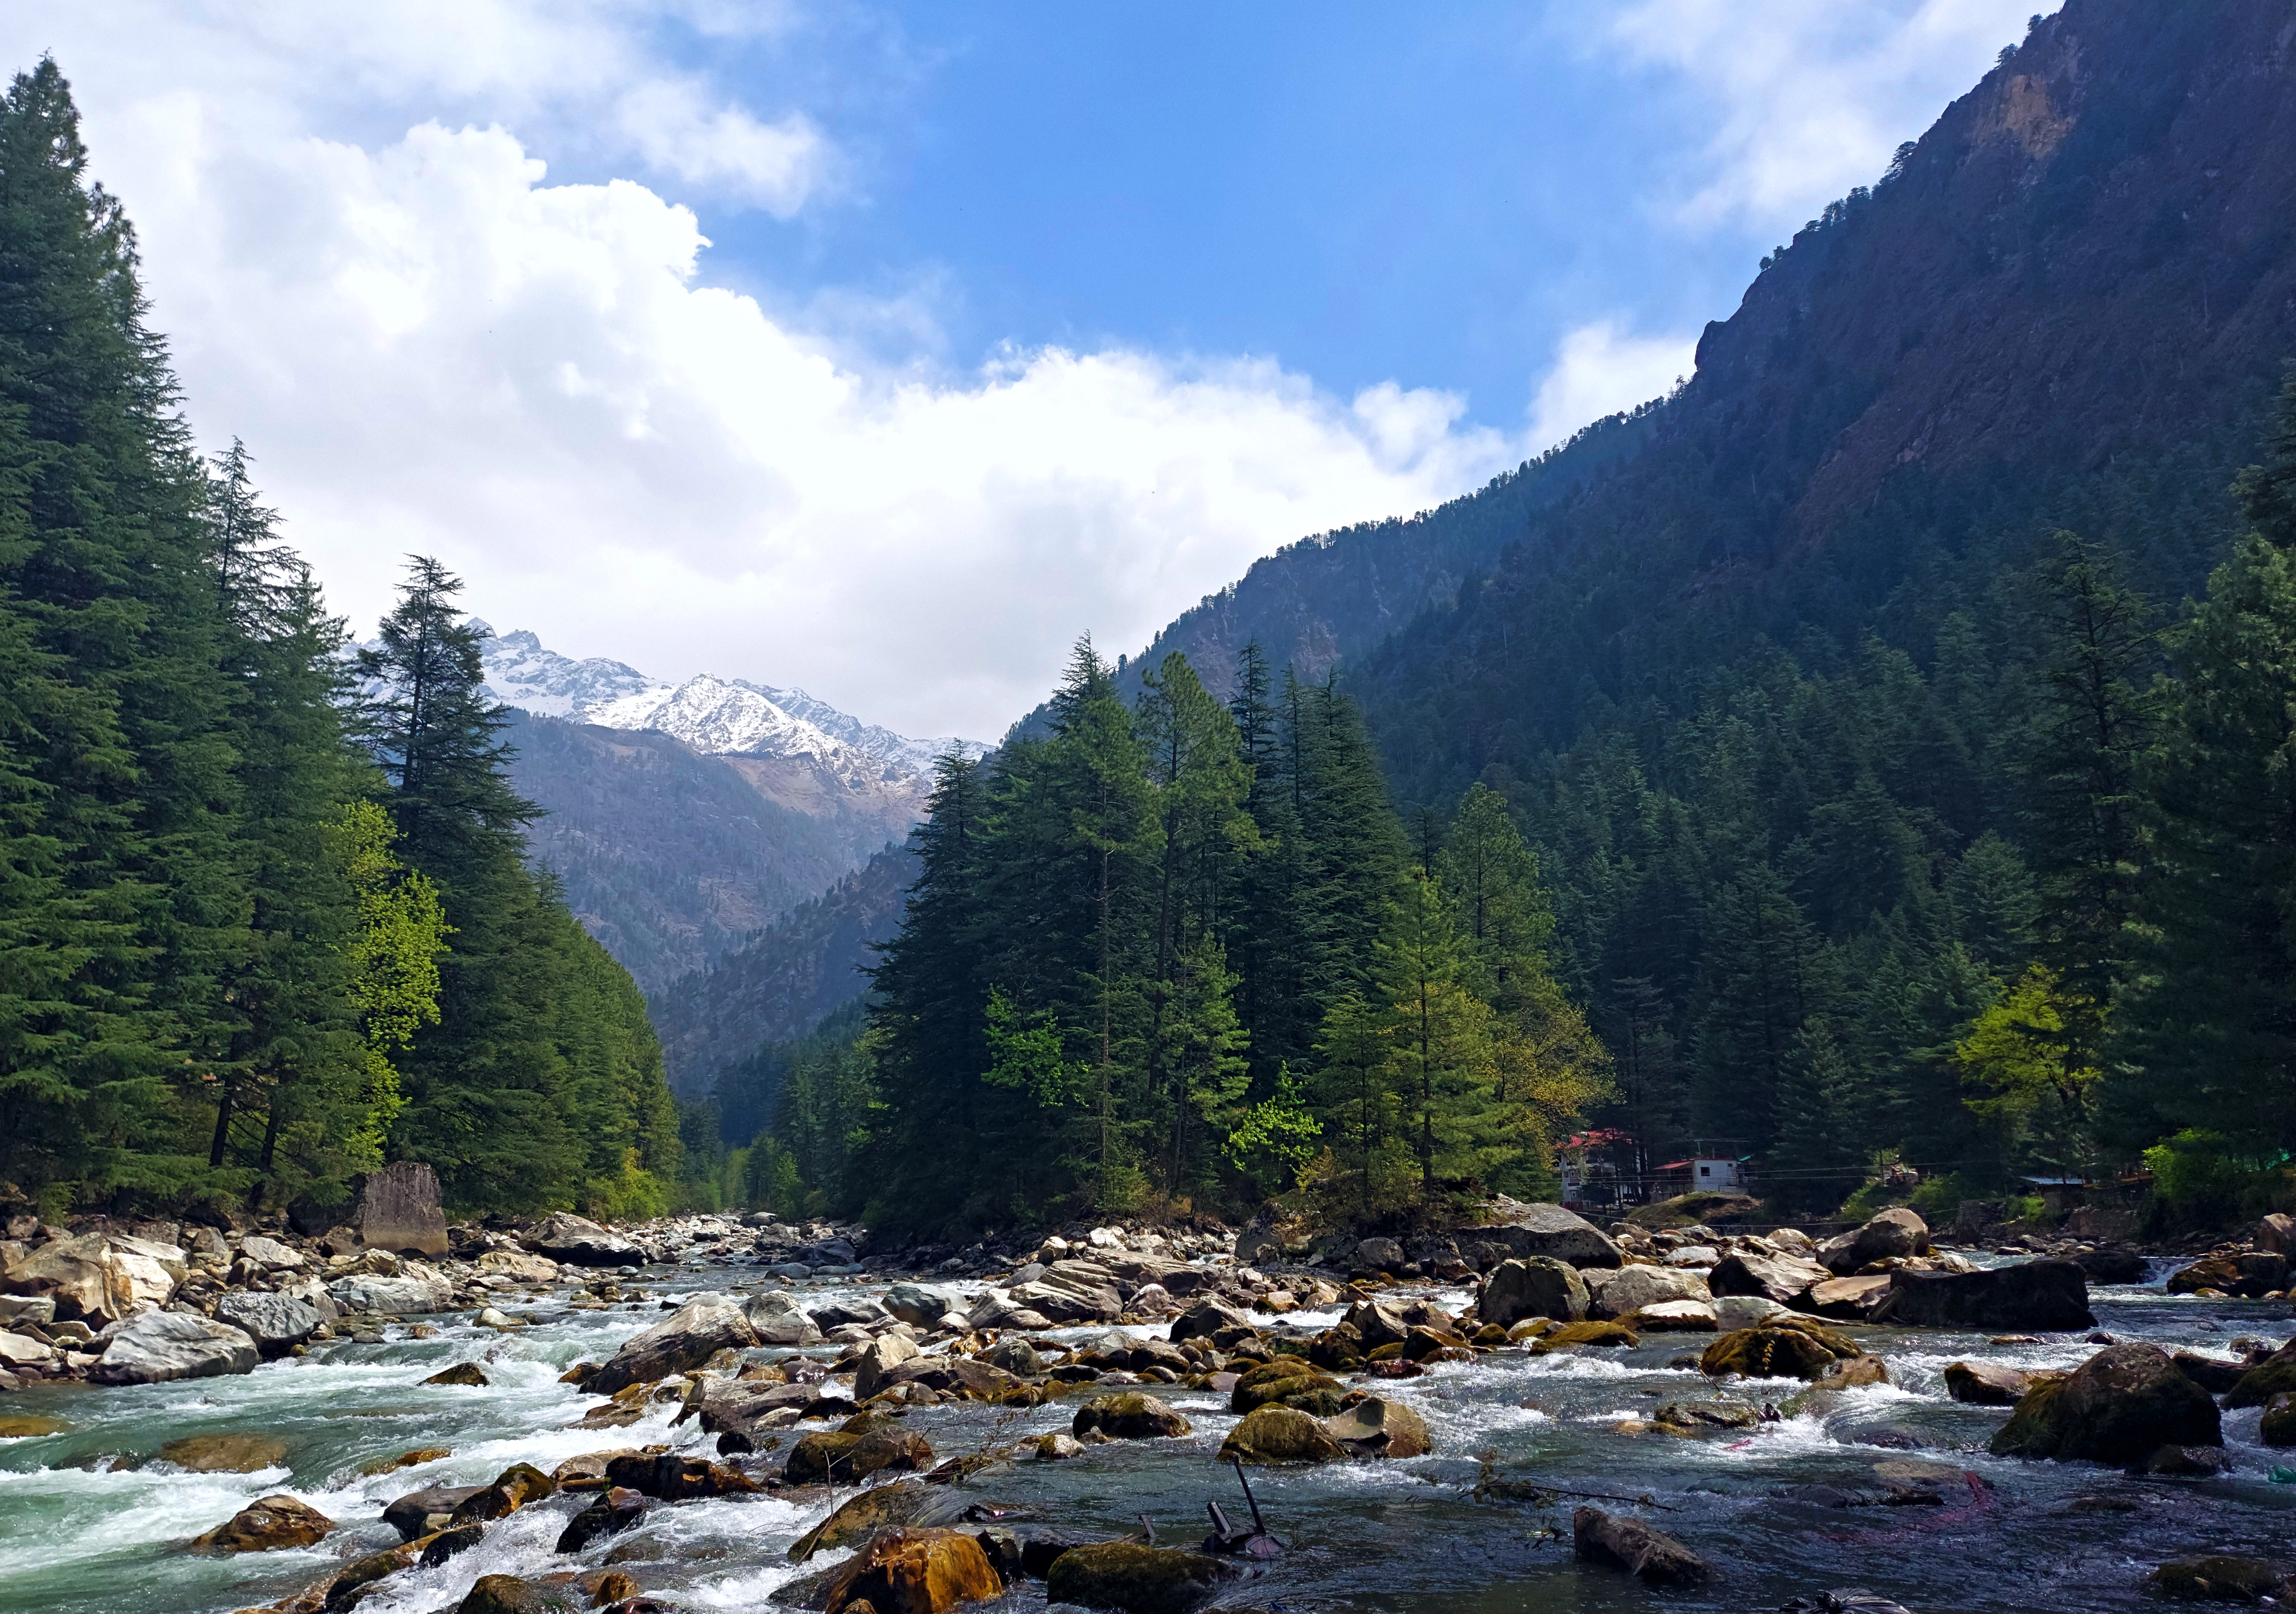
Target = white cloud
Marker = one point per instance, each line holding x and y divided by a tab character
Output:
772	165
1600	369
432	347
1810	97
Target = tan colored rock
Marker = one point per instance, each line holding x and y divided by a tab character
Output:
266	1526
915	1571
225	1453
1378	1428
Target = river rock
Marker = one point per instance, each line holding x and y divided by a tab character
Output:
579	1241
1280	1434
1207	1317
1780	1349
2120	1405
1679	1316
2214	1374
1072	1291
1381	1255
97	1278
513	1488
1632	1545
1851	1300
611	1512
266	1526
842	1456
270	1254
2220	1579
429	1510
520	1266
278	1323
687	1338
2188	1461
468	1375
1985	1383
920	1304
1377	1427
2114	1266
900	1502
415	1291
1135	1579
2268	1377
1632	1287
1781	1279
911	1570
2032	1296
2276	1232
38	1310
508	1594
2278	1426
1890	1234
1551	1231
677	1477
1128	1416
159	1346
2249	1274
885	1353
398	1209
225	1453
1538	1287
778	1319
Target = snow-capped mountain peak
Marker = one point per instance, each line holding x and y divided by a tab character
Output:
720	717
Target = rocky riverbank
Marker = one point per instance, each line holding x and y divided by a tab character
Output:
674	1401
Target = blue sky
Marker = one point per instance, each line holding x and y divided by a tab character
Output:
881	350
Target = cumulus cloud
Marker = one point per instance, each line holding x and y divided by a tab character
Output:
1809	97
774	166
430	346
1601	369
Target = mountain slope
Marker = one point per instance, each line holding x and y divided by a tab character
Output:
668	858
780	985
2065	307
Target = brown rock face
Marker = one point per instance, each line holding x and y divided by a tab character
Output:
915	1571
397	1209
266	1526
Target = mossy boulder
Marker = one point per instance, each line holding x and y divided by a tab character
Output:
1136	1579
1129	1416
2218	1579
1784	1347
2279	1425
1615	1335
2121	1406
2268	1377
1280	1434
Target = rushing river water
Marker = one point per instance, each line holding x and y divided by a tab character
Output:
87	1527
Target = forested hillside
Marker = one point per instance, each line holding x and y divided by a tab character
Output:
262	927
668	858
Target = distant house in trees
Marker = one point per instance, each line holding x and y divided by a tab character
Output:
1597	1168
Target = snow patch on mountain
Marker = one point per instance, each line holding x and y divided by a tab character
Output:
719	717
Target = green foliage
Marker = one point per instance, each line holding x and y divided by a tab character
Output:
401	935
1024	1054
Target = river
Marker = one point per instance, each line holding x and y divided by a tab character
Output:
87	1526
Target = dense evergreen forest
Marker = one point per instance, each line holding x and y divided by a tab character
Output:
266	914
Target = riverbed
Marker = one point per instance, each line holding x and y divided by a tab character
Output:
93	1526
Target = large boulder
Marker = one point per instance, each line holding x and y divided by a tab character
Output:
1632	1545
687	1338
1538	1287
1135	1579
920	1304
2031	1297
429	1510
1551	1231
779	1320
158	1345
1857	1300
1207	1317
278	1323
1782	1279
266	1526
1377	1427
1128	1416
1072	1291
913	1571
98	1278
883	1354
1280	1434
397	1209
1987	1383
2277	1234
1894	1233
2268	1377
413	1291
1632	1287
2121	1406
611	1512
1376	1324
2248	1274
271	1255
1783	1347
579	1241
